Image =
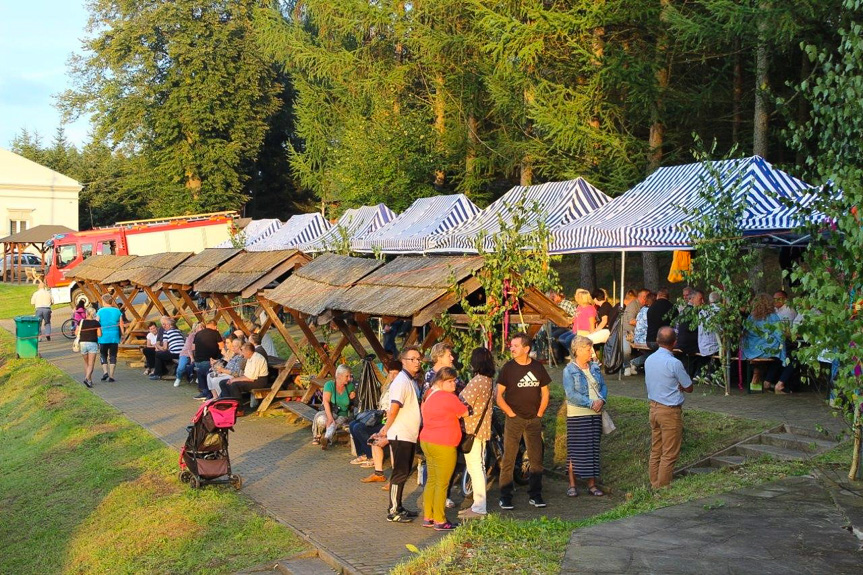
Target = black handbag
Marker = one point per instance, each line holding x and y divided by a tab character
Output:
467	438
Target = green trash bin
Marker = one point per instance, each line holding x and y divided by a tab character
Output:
27	336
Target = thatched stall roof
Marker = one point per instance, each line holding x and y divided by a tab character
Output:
249	272
407	285
97	268
197	266
147	271
312	288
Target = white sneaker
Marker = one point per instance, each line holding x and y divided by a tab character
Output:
176	383
627	372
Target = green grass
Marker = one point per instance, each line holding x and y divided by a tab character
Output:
84	490
626	451
15	299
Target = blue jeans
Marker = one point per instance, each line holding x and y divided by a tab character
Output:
360	433
183	365
203	368
566	340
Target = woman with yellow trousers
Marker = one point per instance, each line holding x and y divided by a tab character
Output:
439	438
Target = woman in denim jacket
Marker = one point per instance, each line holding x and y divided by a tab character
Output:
585	397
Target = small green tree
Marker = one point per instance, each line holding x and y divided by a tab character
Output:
721	256
831	277
518	260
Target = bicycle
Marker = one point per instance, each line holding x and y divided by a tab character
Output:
68	328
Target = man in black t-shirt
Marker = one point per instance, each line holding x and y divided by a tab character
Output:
207	344
658	316
522	394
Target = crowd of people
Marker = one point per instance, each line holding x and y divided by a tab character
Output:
767	328
434	412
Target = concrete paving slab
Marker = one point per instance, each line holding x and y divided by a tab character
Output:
798	531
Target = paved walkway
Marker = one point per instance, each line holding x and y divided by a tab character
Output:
316	493
785	527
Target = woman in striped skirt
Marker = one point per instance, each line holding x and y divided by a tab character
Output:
585	397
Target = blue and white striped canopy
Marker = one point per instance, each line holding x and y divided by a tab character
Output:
255	230
414	230
355	223
651	216
299	229
554	203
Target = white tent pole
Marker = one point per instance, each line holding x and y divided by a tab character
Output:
622	294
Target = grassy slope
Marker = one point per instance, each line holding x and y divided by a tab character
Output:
84	490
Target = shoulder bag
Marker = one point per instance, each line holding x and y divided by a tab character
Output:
607	423
468	438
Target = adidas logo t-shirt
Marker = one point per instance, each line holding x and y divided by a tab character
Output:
523	383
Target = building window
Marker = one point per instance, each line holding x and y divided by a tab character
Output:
17	226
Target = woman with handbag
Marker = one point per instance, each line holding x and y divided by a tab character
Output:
477	395
439	438
585	398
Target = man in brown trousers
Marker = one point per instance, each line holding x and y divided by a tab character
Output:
666	380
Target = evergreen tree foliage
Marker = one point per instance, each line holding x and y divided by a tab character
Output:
182	86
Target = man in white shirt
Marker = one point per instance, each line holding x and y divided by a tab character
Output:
254	375
42	301
785	312
402	430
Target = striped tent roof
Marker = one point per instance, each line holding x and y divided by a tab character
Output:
414	230
650	216
557	204
299	229
355	223
255	231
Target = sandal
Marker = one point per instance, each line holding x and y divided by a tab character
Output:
595	491
780	389
572	492
316	441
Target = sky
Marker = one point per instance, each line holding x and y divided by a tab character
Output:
37	37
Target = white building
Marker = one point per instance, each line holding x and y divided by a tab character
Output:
33	195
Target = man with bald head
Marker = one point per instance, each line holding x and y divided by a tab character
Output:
666	381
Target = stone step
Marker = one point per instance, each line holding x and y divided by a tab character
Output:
805	431
800	442
755	450
307	566
727	460
700	470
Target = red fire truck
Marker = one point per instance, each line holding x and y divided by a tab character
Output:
143	237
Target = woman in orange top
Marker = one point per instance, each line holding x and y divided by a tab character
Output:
439	438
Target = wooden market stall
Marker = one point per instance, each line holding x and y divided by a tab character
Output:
141	276
421	289
241	277
177	283
90	274
306	295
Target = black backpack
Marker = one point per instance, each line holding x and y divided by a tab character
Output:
612	355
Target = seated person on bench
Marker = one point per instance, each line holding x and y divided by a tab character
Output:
224	371
338	396
254	375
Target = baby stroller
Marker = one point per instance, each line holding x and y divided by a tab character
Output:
204	458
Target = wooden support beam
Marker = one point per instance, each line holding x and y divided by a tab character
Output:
228	308
413	336
289	363
358	347
179	305
154	297
329	366
529	318
190	303
372	338
431	337
446	301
